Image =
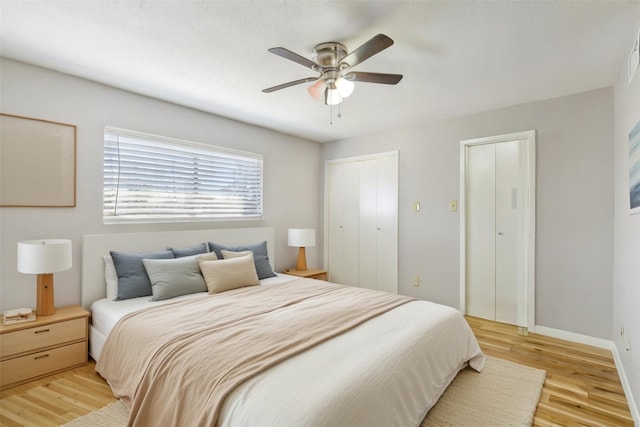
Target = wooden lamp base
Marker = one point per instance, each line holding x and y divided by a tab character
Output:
301	265
45	305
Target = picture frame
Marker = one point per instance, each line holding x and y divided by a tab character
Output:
634	169
37	162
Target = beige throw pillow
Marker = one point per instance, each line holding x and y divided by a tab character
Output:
232	254
209	256
226	274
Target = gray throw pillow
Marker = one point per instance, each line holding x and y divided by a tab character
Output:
174	277
193	250
133	280
260	256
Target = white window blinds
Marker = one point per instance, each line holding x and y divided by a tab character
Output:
150	178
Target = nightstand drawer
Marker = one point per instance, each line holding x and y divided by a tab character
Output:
42	363
43	336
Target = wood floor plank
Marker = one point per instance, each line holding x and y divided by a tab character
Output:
47	402
582	387
32	414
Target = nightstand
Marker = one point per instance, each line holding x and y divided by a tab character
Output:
309	273
50	344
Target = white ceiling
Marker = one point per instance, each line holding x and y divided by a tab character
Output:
457	57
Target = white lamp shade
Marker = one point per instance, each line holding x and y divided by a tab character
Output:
345	87
332	96
302	237
44	256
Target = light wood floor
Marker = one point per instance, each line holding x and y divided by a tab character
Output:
582	386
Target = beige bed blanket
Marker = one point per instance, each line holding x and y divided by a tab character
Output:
175	364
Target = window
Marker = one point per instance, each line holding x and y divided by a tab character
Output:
150	178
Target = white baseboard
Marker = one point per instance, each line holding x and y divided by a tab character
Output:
601	343
573	337
625	385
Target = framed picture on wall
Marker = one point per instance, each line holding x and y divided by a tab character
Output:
634	169
37	163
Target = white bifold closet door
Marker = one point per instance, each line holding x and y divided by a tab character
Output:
495	231
343	226
362	221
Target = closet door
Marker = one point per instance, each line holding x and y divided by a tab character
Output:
480	215
495	244
509	233
368	224
386	229
362	225
343	219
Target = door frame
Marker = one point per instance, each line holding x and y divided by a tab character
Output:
529	218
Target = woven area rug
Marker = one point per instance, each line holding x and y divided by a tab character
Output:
113	415
503	394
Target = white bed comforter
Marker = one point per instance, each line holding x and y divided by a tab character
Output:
388	371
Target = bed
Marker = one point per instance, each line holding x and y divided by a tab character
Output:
384	364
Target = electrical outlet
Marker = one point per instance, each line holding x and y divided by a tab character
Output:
627	349
416	281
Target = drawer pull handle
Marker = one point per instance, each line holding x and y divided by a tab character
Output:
41	356
41	331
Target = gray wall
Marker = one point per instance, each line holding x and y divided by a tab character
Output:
39	93
626	264
574	243
574	251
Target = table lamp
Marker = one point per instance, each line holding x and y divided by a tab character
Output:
302	238
44	257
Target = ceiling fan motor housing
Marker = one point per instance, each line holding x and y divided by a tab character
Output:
329	54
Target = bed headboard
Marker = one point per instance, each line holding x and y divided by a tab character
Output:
95	246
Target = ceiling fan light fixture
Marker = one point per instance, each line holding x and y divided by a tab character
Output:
316	89
332	96
344	86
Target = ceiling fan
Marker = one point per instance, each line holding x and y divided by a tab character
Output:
334	63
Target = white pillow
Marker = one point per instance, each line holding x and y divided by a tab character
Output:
110	277
226	274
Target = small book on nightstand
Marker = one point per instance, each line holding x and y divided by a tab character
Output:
18	315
